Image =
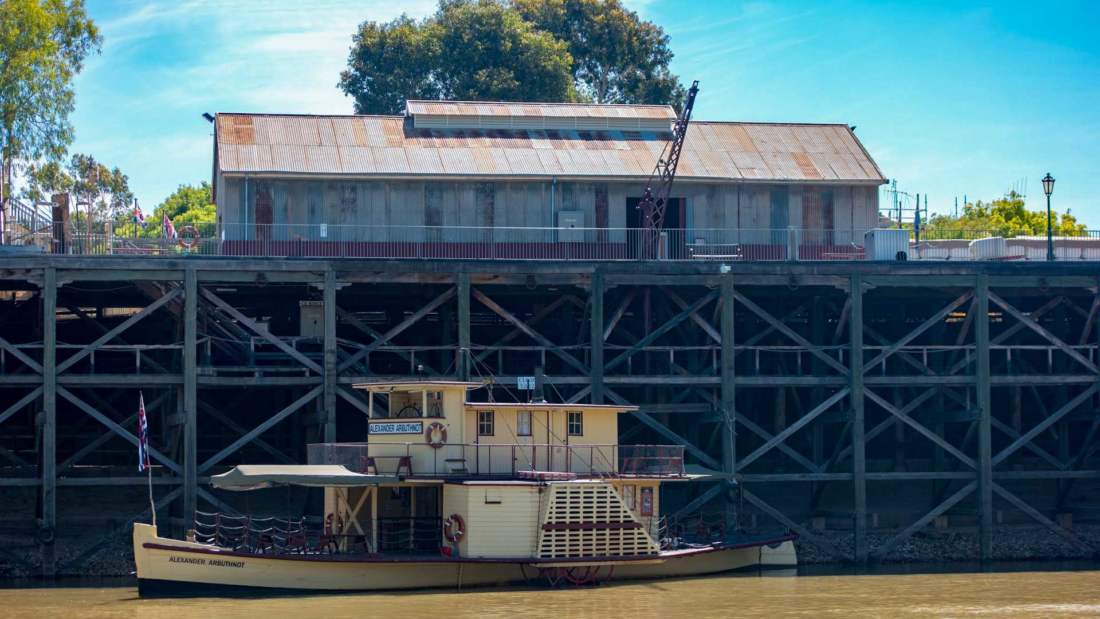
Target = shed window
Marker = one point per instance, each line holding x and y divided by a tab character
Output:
576	423
523	423
485	423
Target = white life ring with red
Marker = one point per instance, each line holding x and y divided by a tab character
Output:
188	236
454	528
433	430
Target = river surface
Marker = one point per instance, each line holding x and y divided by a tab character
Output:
1011	594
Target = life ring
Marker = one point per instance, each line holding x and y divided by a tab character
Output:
454	528
188	236
430	435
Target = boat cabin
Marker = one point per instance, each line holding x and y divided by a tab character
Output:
497	479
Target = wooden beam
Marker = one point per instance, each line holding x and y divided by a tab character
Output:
190	393
328	400
19	404
595	336
260	330
856	388
399	328
912	335
121	327
108	435
1038	516
803	533
695	317
50	389
462	363
794	427
19	354
983	389
619	312
349	318
535	335
263	427
117	429
906	533
728	402
1036	327
659	331
919	427
790	333
1044	424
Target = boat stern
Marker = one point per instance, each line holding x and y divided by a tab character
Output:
779	555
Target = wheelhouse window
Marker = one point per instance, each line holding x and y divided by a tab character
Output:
523	423
575	423
485	423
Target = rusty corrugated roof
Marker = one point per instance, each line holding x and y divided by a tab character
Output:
538	110
388	146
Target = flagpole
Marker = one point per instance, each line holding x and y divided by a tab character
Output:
152	505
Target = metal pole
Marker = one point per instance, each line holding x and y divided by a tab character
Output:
1050	233
729	404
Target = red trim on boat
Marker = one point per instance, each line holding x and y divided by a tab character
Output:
674	554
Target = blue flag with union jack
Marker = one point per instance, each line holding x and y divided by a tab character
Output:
143	435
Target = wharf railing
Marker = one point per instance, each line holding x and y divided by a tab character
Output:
500	459
556	244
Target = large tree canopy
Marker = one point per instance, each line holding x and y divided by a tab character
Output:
617	56
468	50
43	44
511	50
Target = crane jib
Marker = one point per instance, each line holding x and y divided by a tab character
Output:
659	187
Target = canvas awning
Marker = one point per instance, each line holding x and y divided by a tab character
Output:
257	476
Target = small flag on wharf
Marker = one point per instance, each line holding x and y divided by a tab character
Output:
143	435
138	216
169	229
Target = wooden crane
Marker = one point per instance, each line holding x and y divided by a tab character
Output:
655	198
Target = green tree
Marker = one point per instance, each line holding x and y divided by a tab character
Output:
101	192
469	49
1006	216
617	56
43	45
187	205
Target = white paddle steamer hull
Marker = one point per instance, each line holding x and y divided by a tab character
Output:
173	567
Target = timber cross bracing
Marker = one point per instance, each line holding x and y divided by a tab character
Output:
961	392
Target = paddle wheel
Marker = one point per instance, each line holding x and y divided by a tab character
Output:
581	575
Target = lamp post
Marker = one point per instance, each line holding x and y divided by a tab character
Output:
1048	188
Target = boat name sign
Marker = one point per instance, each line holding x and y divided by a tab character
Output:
391	427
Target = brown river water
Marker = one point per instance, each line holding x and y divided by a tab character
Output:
1012	594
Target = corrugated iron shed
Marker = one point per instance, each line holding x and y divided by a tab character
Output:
388	147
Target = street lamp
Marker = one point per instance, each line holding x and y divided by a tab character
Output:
1048	188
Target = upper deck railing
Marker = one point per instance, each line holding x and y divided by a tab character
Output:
501	459
557	244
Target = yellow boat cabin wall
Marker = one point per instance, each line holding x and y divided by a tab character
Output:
432	428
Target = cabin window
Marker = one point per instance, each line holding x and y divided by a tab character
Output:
647	501
485	423
575	423
435	404
523	423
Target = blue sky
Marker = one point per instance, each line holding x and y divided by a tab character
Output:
951	98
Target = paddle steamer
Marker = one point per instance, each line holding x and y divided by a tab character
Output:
448	492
